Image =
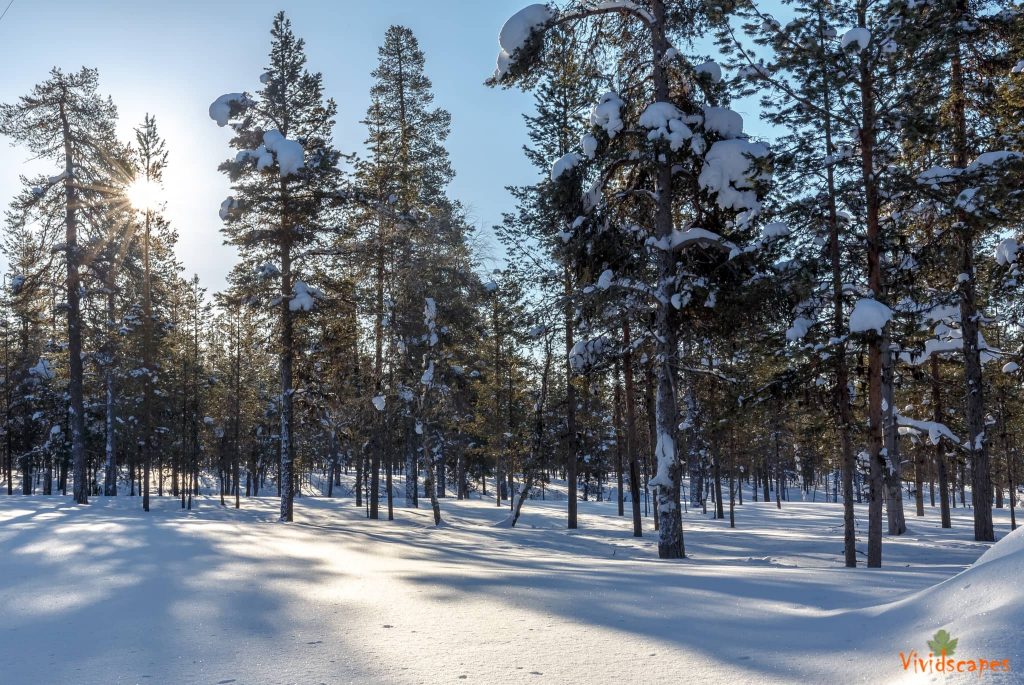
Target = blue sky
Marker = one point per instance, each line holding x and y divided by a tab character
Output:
173	58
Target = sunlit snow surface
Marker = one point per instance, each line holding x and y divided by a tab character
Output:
107	594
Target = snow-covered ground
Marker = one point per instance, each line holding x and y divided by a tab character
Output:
107	594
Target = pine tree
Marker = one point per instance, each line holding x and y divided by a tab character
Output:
67	121
284	179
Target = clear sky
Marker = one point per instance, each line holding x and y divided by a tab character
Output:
173	57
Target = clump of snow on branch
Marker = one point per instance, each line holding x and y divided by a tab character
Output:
1006	252
586	353
42	370
564	165
225	208
664	121
723	121
607	114
516	32
290	154
710	69
859	37
869	315
304	297
589	145
379	402
731	172
223	107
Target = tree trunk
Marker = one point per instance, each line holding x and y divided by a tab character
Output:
631	436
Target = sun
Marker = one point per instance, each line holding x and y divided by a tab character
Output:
143	194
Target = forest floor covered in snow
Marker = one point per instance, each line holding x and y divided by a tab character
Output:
105	593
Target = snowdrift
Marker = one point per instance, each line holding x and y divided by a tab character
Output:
982	607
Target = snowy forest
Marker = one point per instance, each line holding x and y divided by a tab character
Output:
814	334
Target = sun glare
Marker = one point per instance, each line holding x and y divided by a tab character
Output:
144	194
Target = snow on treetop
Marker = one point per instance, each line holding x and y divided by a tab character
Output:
665	122
723	121
564	164
222	107
857	36
869	315
1006	252
710	69
589	145
730	173
1011	367
516	31
607	114
289	153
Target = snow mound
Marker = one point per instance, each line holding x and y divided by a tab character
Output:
980	607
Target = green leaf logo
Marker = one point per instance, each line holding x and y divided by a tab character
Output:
942	643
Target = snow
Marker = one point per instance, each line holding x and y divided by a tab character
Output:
517	31
379	402
730	173
664	121
217	594
869	315
626	4
564	165
1011	367
303	297
936	431
226	206
42	370
289	153
607	114
993	158
1006	252
774	231
710	69
860	37
723	121
799	329
604	281
589	145
221	108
